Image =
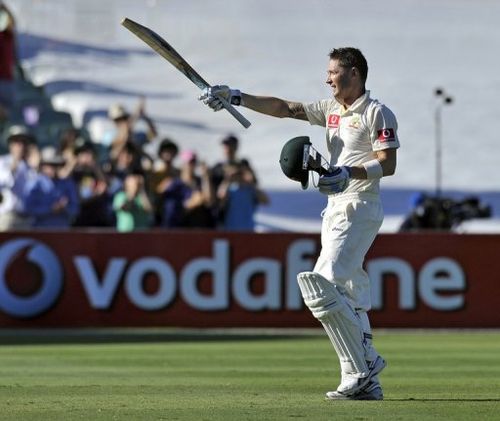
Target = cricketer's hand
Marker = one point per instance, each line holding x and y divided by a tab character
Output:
335	182
211	96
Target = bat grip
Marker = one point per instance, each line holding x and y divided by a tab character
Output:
235	113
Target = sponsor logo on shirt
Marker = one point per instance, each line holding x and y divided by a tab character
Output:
386	135
333	121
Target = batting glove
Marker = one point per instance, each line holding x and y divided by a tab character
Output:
335	182
211	96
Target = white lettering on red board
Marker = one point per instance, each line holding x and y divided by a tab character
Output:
440	283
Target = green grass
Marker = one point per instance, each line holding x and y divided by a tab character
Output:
453	376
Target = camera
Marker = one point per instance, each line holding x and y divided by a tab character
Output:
439	213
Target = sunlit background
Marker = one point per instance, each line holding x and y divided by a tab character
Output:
86	60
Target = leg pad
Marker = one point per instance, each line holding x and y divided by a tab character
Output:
340	321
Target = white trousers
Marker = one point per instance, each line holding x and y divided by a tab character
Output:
350	224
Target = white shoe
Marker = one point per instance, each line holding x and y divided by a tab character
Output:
352	385
371	392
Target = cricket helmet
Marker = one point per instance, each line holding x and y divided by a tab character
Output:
292	160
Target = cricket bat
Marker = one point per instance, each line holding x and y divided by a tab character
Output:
164	49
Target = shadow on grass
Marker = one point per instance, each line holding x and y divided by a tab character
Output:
133	335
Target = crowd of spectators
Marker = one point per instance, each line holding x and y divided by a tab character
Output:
55	176
78	183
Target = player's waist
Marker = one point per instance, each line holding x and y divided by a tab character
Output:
349	196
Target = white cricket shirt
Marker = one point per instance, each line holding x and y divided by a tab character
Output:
354	134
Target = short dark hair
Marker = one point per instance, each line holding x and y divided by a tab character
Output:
230	140
168	145
351	57
20	133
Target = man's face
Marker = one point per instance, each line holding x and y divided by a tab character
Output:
17	149
229	151
122	123
168	155
133	183
341	80
49	170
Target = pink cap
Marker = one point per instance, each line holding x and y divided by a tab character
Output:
188	155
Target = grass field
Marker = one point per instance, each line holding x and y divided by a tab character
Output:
453	376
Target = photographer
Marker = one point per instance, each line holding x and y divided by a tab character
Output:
239	196
131	205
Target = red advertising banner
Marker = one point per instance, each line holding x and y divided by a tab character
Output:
215	279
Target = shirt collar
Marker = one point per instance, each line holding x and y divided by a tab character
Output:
358	103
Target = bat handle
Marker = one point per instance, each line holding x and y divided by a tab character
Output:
235	113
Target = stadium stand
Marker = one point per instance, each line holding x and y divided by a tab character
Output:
33	108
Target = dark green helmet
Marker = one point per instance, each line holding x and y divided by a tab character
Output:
292	160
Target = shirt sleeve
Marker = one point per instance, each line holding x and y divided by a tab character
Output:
118	200
37	201
317	112
383	129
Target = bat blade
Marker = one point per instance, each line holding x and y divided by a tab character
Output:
164	49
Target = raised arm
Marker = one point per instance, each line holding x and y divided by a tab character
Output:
275	107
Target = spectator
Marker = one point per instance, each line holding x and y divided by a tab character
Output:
239	197
66	148
95	201
125	128
164	167
164	171
128	159
131	205
198	209
50	200
69	140
172	202
8	60
15	172
230	151
224	169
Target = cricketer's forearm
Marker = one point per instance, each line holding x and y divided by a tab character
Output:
275	107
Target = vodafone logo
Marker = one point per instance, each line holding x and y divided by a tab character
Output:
60	286
51	277
386	135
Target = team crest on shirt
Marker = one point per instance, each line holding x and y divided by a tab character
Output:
355	122
333	121
386	135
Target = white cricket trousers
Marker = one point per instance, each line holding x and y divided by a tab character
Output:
350	224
